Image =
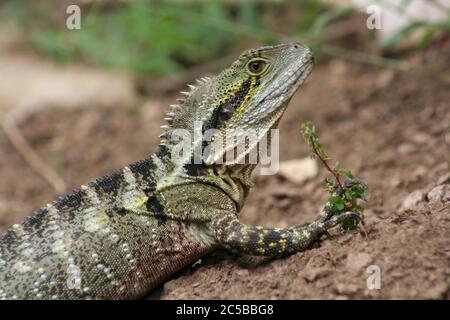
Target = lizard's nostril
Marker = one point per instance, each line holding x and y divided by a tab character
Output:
296	46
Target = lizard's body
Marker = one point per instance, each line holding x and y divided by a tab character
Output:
122	235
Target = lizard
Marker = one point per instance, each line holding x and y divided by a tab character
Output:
122	235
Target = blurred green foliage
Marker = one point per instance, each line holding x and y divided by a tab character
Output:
165	37
426	30
161	37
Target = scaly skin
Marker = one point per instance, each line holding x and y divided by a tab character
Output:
120	236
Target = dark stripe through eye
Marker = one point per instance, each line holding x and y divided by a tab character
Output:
227	109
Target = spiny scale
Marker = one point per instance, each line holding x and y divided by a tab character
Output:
174	110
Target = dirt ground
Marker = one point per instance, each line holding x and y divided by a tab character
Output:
391	128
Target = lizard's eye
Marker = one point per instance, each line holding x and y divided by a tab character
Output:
256	66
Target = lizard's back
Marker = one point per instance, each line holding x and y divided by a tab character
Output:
109	239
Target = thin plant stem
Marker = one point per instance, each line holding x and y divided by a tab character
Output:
336	176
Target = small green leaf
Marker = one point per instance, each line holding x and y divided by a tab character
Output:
325	18
348	174
337	204
336	167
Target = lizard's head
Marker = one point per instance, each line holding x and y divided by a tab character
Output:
252	94
249	96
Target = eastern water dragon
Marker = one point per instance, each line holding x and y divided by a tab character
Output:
122	235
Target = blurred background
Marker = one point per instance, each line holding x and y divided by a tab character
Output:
168	37
77	103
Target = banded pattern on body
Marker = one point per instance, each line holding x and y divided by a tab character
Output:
265	241
100	241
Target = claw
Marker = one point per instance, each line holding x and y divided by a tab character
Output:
352	182
348	183
335	220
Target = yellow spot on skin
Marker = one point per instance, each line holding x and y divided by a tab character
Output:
139	203
282	245
260	250
96	223
272	245
261	239
132	199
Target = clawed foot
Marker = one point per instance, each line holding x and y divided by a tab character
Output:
349	183
325	213
330	221
327	219
338	219
313	231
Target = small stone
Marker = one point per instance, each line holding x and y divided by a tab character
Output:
242	273
312	274
170	286
285	282
396	182
299	170
420	138
358	261
346	288
436	194
412	200
406	148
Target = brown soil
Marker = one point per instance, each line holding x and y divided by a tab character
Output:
391	128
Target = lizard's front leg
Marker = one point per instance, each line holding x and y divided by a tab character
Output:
266	241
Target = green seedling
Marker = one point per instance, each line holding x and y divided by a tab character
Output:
343	196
